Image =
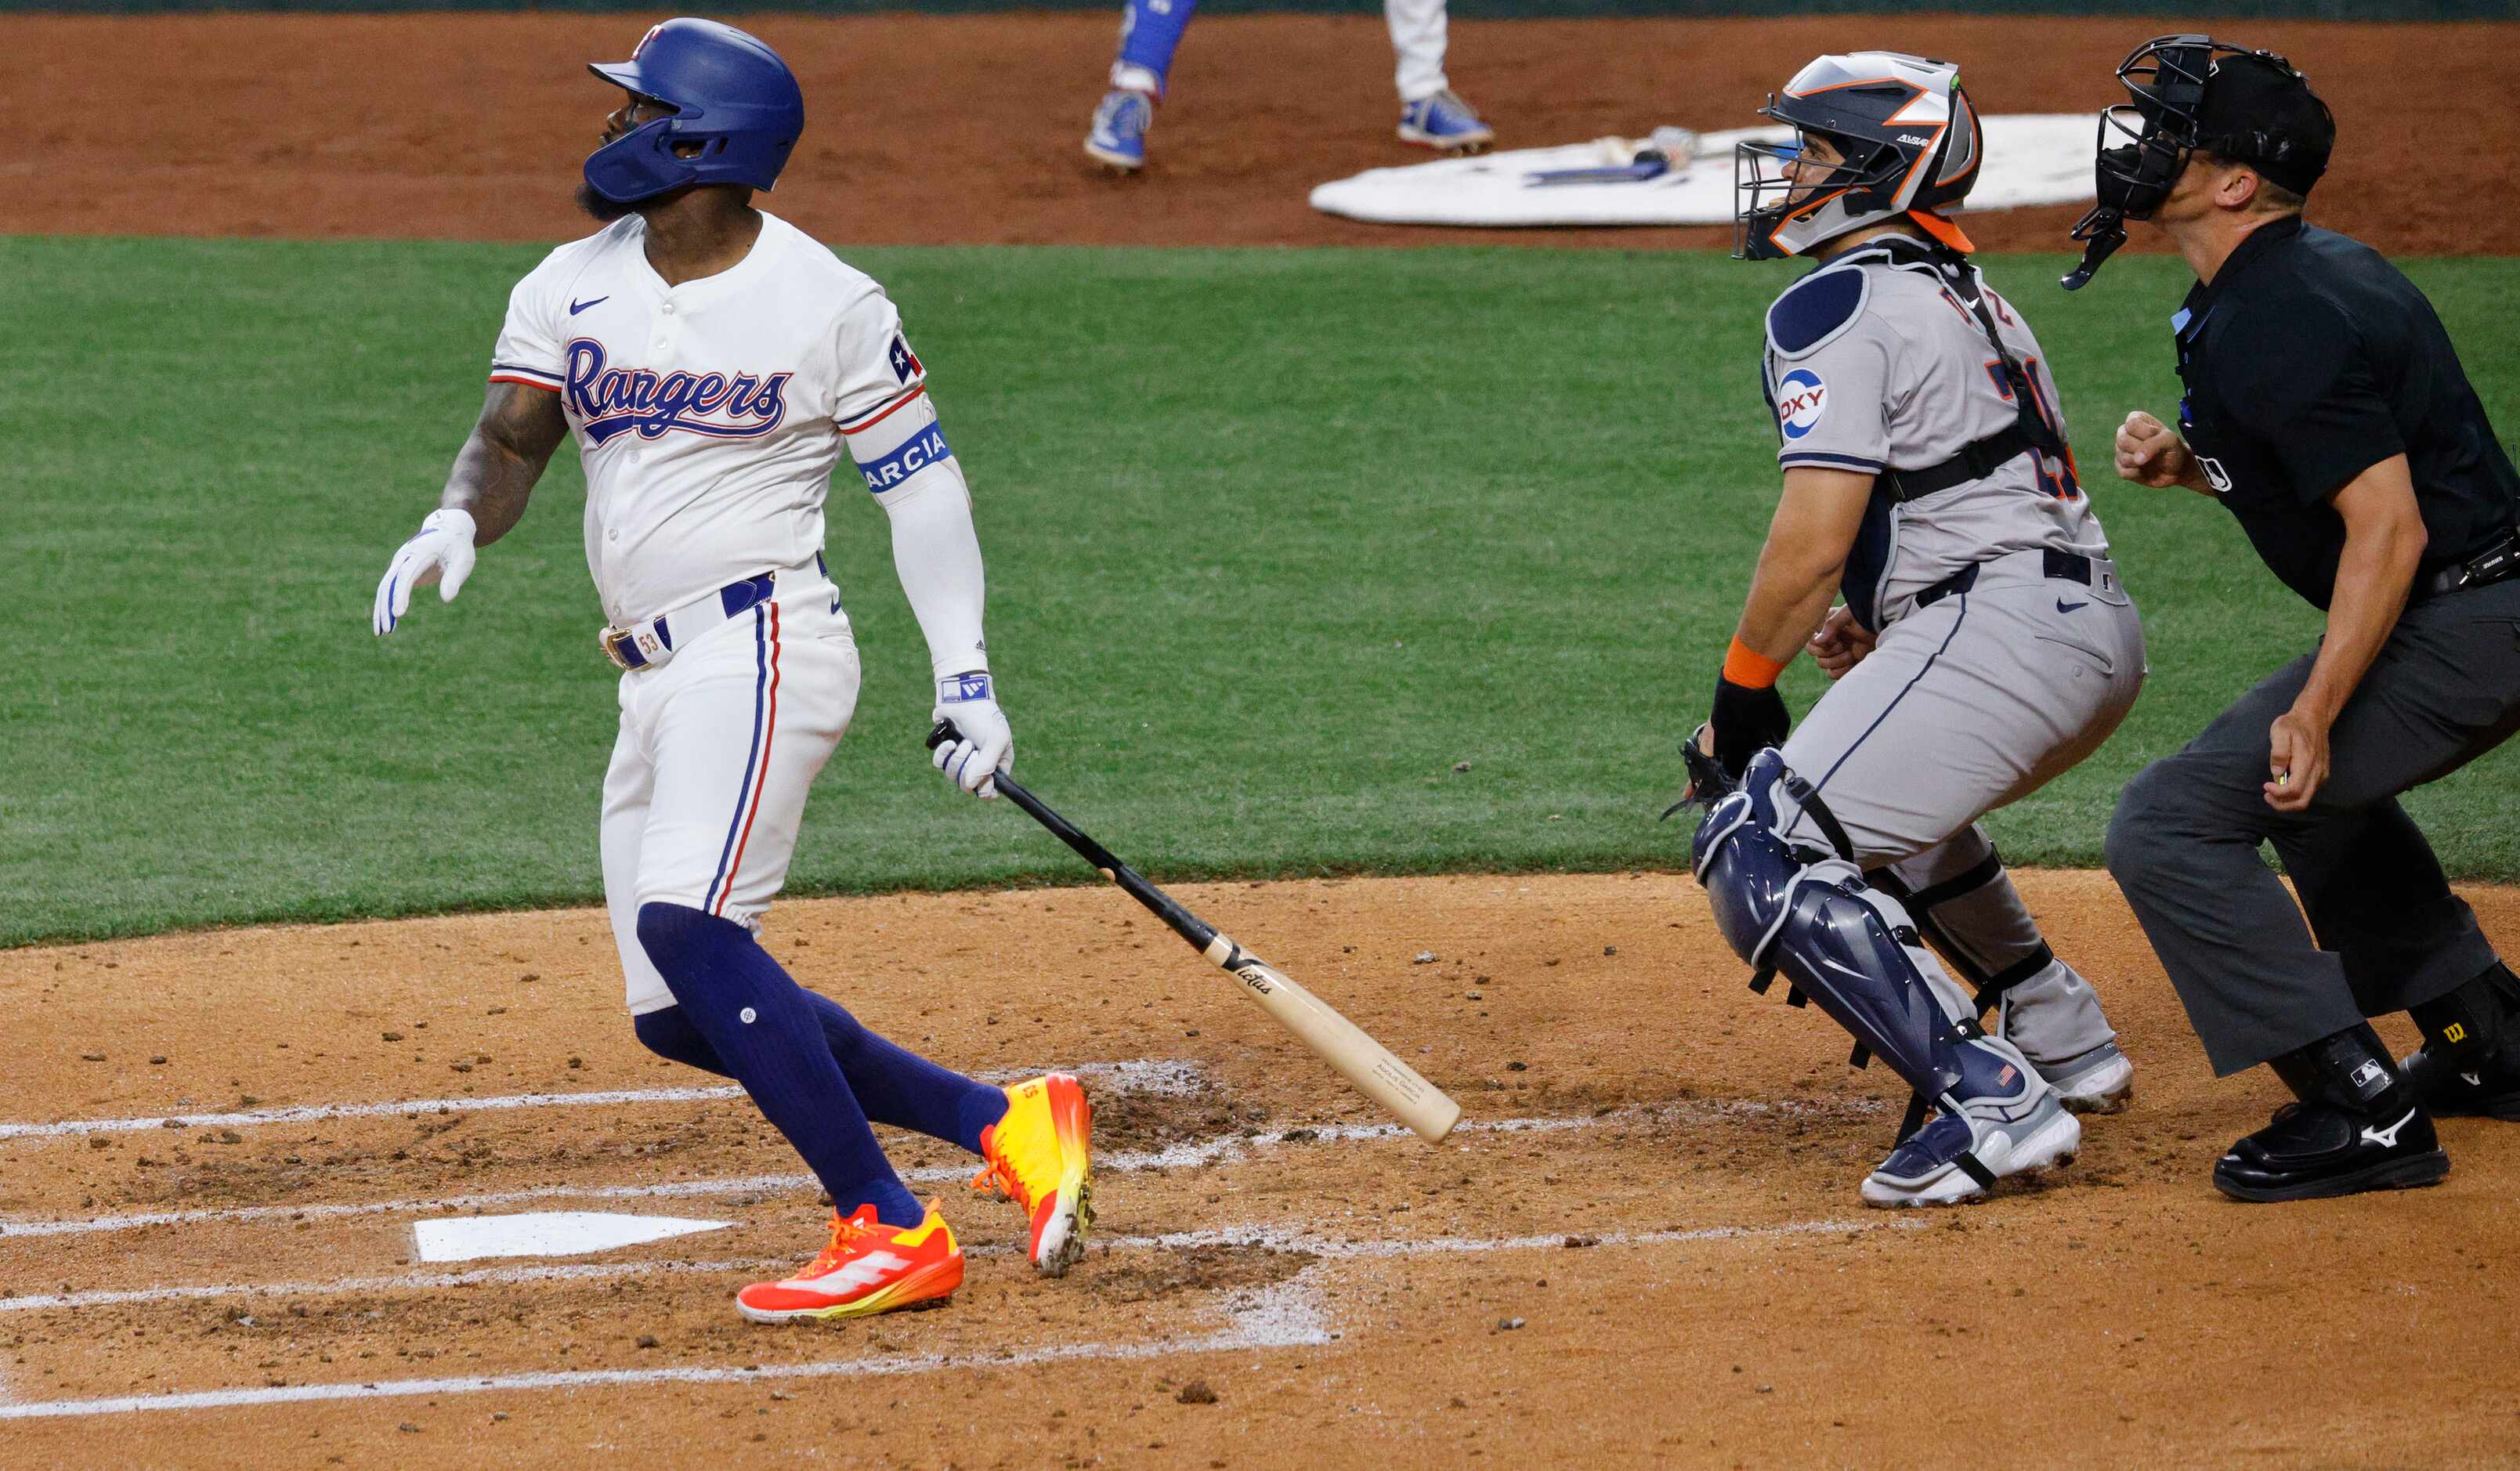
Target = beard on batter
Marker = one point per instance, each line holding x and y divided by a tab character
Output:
605	211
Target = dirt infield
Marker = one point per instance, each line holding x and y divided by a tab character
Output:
1643	1247
965	130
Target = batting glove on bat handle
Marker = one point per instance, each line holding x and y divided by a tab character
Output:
979	743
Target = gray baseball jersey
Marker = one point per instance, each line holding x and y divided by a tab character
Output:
1877	363
1874	363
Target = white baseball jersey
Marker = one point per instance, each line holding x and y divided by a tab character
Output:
710	414
709	417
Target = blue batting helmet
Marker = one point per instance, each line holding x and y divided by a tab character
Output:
730	93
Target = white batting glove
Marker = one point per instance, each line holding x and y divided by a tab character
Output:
441	551
988	744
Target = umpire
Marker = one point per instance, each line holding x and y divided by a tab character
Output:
2327	410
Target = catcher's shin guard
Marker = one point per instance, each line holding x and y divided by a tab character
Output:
1794	910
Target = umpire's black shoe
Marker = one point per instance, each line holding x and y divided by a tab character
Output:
2470	1059
2314	1150
2489	1087
2358	1127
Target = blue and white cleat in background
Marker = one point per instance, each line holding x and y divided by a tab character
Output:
1119	137
1446	123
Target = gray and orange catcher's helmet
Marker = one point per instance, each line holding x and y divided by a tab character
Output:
1910	139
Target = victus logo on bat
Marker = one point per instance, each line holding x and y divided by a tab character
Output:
1801	399
611	401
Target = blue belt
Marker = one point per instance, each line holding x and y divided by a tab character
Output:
645	646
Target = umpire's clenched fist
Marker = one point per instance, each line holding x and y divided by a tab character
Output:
2152	452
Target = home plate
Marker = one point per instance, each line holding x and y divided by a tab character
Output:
547	1233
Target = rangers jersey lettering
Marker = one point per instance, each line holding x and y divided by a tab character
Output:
710	414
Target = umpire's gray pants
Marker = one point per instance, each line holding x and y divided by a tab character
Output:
2390	934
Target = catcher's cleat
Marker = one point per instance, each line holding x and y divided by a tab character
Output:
1041	1157
2099	1081
868	1268
1924	1169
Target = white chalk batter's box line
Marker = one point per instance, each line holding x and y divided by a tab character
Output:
1264	1238
1187	1154
1287	1314
1160	1077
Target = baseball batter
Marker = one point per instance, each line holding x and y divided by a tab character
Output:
1432	114
1985	644
712	363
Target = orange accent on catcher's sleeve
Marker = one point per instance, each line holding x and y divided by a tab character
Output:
1750	669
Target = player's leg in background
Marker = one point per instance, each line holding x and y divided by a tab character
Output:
1430	111
1965	905
629	785
1151	30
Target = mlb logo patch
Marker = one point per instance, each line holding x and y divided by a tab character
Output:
905	363
1801	399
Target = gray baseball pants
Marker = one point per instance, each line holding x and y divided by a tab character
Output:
2384	932
1968	704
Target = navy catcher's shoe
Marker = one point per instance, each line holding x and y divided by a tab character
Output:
2010	1120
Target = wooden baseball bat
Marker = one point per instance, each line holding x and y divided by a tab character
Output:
1337	1041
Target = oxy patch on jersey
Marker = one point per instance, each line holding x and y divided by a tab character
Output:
907	458
1801	399
613	401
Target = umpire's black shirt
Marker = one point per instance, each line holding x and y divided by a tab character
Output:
2309	359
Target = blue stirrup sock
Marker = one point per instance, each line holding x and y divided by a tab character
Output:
766	1036
1150	32
893	1085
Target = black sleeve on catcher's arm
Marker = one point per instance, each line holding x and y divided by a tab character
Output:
1747	722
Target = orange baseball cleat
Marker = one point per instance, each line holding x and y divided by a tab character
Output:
868	1268
1041	1157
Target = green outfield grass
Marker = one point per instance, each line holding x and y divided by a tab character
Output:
1276	539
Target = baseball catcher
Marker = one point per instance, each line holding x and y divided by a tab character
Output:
1984	646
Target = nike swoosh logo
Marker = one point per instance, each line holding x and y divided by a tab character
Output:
2063	606
575	307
